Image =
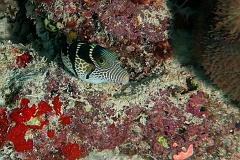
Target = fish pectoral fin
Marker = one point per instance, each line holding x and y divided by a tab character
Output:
89	71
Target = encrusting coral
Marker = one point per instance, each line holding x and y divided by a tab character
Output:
166	111
137	33
55	115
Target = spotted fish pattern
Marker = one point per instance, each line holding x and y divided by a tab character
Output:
93	63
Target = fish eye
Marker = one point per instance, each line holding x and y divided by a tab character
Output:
101	61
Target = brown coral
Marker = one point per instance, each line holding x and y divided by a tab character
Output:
228	19
222	63
218	47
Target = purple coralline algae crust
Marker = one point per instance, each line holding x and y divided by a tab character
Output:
129	21
98	120
122	18
137	33
105	116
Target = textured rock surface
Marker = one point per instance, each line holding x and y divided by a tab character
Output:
138	33
146	118
166	108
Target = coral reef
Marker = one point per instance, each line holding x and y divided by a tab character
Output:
145	22
55	115
140	39
168	110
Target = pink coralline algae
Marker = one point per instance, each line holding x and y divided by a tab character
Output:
196	105
184	155
122	18
134	129
77	121
129	21
162	123
4	123
160	114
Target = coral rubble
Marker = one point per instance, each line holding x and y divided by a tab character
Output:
53	113
167	111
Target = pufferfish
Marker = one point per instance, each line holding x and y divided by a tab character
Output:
92	63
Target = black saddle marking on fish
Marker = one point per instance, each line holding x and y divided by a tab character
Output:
96	53
79	48
83	51
87	76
